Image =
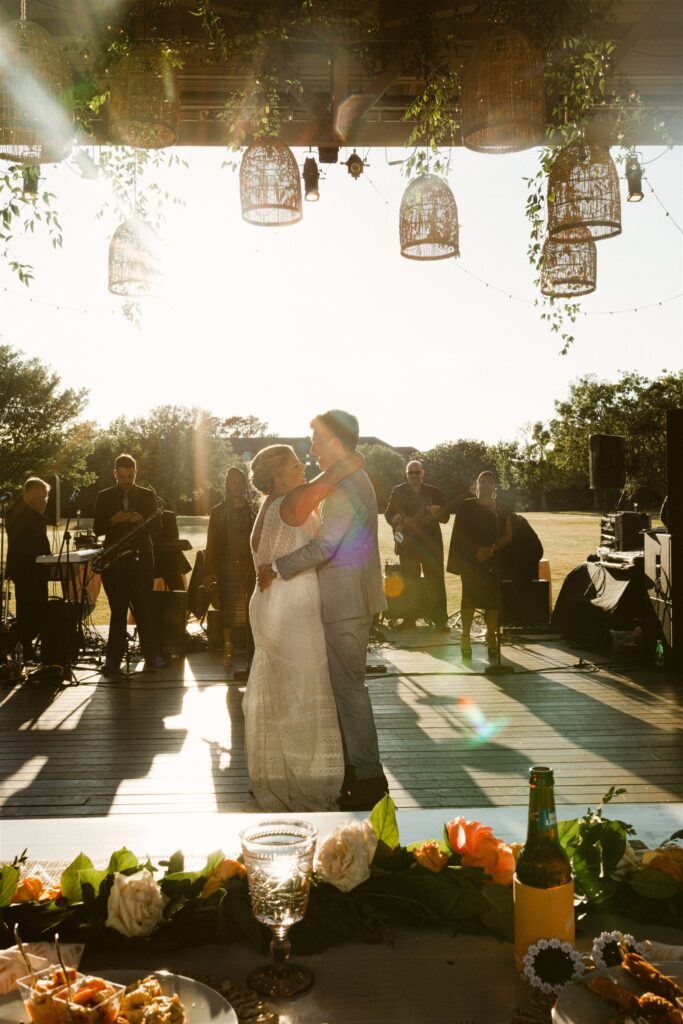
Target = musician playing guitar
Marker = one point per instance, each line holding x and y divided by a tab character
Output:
128	582
415	511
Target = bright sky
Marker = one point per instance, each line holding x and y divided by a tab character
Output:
285	322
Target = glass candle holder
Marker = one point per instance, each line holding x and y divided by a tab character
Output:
278	856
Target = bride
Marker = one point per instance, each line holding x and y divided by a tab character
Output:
292	738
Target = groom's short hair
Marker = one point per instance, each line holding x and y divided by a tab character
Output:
342	425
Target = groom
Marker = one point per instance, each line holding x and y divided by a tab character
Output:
346	554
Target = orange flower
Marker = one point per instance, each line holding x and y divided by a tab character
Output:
28	890
428	855
479	848
669	859
221	873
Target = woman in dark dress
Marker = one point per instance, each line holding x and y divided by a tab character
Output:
482	528
229	564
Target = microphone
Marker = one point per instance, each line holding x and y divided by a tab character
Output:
74	496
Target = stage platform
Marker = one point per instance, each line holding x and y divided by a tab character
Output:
171	744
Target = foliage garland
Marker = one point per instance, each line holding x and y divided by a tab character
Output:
399	891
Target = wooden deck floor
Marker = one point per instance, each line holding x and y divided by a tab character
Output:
173	742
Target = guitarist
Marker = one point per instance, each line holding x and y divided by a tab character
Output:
415	511
129	581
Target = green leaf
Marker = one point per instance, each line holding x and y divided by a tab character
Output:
383	821
500	915
176	862
654	884
80	870
212	862
122	860
9	879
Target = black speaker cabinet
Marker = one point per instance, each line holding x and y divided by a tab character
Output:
53	510
526	603
607	461
629	529
169	615
59	637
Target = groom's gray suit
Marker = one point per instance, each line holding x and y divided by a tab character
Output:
346	554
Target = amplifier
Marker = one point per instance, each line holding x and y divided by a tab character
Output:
659	583
526	603
59	636
623	531
169	615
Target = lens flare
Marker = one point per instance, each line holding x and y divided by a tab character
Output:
484	729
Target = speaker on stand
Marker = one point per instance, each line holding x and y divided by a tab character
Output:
607	466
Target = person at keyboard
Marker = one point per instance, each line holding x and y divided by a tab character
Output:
26	525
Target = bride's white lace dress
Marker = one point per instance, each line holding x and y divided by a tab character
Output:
293	745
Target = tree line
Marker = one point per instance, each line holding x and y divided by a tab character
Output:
185	452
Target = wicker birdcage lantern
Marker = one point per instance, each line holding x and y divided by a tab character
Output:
143	99
35	124
583	192
134	259
569	269
345	22
428	220
503	94
270	184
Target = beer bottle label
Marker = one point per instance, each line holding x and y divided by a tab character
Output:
542	914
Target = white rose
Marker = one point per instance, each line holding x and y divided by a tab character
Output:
345	856
136	905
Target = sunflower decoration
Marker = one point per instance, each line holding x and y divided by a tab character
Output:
610	948
550	964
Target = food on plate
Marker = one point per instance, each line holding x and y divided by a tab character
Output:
657	1005
92	1000
650	978
144	1002
613	993
39	992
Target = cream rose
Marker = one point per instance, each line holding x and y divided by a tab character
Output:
136	905
344	857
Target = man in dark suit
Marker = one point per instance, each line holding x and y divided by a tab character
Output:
129	581
27	538
415	510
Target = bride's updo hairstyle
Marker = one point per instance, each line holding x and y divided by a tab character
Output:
266	465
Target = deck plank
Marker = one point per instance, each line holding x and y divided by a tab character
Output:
173	743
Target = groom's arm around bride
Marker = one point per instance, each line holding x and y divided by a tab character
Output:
345	553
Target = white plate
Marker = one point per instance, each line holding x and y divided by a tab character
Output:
203	1005
578	1005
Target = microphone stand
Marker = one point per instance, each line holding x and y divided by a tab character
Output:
69	676
496	668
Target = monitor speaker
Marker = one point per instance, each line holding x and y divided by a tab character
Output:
169	616
607	461
59	636
53	511
525	603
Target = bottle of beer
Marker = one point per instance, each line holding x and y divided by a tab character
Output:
543	884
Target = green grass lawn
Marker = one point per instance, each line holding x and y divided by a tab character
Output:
567	538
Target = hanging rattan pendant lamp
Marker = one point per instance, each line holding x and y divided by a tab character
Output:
503	94
569	269
428	220
270	184
143	99
134	259
36	126
583	192
345	22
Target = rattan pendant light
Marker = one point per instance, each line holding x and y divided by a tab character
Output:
569	269
503	94
270	184
134	259
143	99
583	192
428	220
345	22
35	125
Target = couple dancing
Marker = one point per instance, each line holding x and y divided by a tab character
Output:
311	742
